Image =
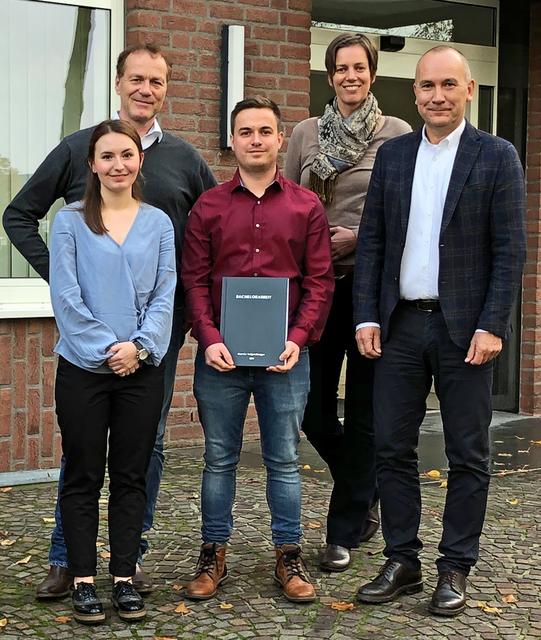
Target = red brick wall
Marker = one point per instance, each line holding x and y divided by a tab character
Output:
530	387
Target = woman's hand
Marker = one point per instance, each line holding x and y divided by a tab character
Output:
343	242
124	361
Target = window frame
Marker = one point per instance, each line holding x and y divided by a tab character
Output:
29	297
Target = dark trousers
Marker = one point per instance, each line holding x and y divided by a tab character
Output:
347	450
418	349
94	409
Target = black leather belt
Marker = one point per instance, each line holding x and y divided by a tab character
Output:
428	306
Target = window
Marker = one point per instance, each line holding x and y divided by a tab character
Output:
56	61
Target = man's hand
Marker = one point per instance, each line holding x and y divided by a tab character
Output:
369	342
484	346
218	357
343	242
124	361
290	357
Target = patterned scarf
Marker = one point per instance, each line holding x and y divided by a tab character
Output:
342	144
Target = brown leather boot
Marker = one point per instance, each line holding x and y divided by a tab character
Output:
291	574
57	584
210	572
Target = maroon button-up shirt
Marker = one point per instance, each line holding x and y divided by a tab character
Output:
231	232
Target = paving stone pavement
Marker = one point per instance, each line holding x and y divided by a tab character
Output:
250	605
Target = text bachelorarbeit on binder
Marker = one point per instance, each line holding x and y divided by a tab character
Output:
253	320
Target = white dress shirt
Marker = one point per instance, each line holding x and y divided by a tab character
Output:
154	133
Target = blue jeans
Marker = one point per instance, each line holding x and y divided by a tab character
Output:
58	555
222	400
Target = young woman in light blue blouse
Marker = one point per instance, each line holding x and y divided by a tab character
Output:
112	279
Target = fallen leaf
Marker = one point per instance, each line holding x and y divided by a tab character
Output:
177	587
376	552
49	520
443	484
487	608
182	609
314	525
5	489
513	501
505	455
535	441
3	622
63	619
509	599
105	555
519	438
499	464
524	450
7	543
163	638
306	467
225	605
24	560
433	473
342	606
100	543
320	470
498	441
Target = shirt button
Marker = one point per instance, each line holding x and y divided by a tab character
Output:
257	226
258	202
257	250
255	274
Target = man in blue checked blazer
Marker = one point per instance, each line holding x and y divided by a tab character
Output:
439	260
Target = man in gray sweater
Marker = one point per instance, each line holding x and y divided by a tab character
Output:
175	175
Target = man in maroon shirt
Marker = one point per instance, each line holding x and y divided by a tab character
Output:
257	224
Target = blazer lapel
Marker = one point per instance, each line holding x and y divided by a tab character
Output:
407	169
468	149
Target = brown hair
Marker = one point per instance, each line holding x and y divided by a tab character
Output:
92	201
256	102
151	49
350	40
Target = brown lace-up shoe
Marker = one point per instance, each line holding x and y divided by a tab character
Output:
210	572
291	574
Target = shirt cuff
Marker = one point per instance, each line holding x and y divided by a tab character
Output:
362	325
480	331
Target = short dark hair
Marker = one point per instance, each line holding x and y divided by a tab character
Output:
151	49
350	40
256	102
92	201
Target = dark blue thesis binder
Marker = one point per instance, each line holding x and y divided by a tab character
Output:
253	320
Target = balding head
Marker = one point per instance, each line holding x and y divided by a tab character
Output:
445	48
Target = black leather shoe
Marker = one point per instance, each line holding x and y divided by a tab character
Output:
393	579
335	558
371	524
142	581
127	601
449	597
87	607
57	584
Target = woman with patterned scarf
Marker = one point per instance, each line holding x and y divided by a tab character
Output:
334	156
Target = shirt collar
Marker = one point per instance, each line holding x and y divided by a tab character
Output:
154	133
236	181
451	141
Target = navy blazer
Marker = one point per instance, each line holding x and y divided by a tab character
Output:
482	237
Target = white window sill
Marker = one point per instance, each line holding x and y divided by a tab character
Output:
24	298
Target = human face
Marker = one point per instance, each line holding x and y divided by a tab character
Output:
142	88
116	162
351	80
256	140
442	90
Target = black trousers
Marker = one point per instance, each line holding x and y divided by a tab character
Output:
94	408
347	450
418	349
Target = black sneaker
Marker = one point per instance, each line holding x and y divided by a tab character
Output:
127	601
87	607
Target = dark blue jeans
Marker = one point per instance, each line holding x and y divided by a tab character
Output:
222	400
58	555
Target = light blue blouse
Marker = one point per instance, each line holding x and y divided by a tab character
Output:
103	292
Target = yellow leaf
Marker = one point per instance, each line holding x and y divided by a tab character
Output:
505	455
24	560
443	484
104	554
306	467
3	622
314	525
49	520
182	609
342	606
434	473
535	441
177	587
487	608
163	638
509	599
63	619
5	489
320	470
513	501
225	605
7	543
100	543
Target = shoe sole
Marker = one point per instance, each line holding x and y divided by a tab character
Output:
407	589
448	613
89	618
53	596
130	616
301	599
331	569
209	596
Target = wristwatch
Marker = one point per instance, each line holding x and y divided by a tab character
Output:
142	353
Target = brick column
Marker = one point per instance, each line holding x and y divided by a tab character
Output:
530	385
277	64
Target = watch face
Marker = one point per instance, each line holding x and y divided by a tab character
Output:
142	354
